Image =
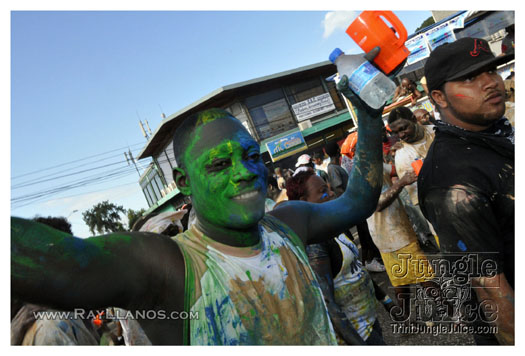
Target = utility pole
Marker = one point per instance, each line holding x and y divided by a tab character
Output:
131	159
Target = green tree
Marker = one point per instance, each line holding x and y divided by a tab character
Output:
104	218
133	216
426	23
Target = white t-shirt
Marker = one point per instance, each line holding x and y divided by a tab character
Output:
390	228
410	152
324	166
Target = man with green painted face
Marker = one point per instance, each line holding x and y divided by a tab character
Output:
237	276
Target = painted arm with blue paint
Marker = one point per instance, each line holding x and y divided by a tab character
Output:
316	222
134	271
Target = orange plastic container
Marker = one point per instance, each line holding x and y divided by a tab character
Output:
369	30
416	165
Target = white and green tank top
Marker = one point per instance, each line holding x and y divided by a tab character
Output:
261	295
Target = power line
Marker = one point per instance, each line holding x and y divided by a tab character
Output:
77	183
33	198
54	175
76	195
77	160
98	178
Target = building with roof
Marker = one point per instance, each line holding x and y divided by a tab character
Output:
299	107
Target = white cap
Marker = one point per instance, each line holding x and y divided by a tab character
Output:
303	159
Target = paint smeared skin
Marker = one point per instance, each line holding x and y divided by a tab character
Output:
124	270
363	190
223	162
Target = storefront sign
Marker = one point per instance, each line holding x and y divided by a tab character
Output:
489	25
418	49
286	146
312	107
440	35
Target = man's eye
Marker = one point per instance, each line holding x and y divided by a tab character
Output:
470	79
219	164
222	163
254	156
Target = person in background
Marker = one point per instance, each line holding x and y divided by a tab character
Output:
274	194
281	181
338	184
305	162
348	151
509	103
337	176
423	82
405	88
346	285
466	184
423	117
320	161
392	233
415	141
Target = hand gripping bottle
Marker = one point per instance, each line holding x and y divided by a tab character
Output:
372	86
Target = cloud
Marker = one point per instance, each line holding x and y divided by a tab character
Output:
337	20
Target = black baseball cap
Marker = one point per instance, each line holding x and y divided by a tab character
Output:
455	60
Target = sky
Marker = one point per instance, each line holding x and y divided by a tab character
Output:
82	80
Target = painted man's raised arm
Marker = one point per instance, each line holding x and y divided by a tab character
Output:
318	222
360	198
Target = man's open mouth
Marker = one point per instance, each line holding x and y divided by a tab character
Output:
247	195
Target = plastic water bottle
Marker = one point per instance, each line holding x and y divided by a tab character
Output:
372	86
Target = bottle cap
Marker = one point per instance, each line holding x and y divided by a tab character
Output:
335	53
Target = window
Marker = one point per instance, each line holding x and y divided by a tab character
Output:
166	160
336	97
304	90
270	113
151	185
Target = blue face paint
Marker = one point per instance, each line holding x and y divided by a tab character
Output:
228	177
324	196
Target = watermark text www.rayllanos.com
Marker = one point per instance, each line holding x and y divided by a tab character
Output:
116	314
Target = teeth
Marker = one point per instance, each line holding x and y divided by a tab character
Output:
245	195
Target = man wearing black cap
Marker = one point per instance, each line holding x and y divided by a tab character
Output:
466	185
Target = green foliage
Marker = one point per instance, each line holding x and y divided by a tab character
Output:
133	216
58	222
426	23
104	218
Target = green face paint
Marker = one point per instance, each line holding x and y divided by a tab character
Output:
226	175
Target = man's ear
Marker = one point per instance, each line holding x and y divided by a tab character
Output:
181	180
438	98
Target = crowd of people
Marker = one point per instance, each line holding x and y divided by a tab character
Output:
289	257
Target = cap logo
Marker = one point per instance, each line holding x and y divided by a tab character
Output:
478	47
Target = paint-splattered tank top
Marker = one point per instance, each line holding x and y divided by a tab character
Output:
261	295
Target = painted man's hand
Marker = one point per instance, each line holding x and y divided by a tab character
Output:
360	105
